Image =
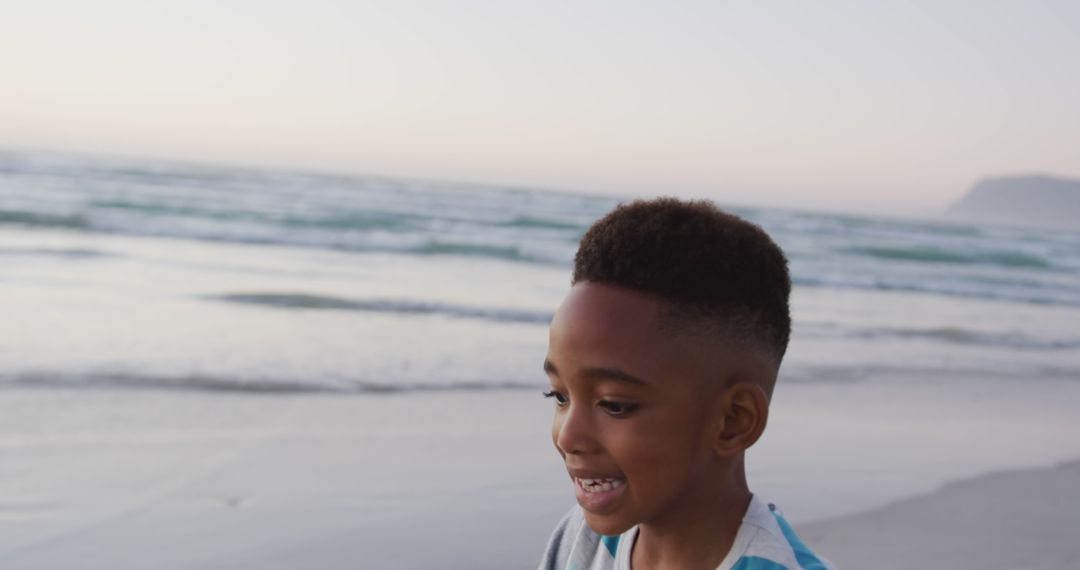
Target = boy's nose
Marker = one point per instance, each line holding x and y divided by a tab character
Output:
572	431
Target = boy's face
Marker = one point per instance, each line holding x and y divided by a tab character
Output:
635	407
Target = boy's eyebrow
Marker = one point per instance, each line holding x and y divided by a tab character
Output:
600	373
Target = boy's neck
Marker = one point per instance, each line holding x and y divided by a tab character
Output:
702	533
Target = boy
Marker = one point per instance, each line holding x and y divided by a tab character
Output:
662	360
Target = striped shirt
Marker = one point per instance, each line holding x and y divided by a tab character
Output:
765	541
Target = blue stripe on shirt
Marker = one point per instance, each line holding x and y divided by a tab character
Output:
757	563
611	542
805	557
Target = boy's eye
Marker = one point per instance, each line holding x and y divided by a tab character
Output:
560	398
617	409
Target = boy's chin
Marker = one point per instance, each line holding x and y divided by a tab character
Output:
609	525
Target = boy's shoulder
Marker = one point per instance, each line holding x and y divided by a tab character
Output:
765	541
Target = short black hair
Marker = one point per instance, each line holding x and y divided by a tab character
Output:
716	270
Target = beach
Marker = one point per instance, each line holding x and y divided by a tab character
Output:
226	368
130	479
127	478
1011	519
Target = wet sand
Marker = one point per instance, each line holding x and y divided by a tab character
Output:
152	478
1015	519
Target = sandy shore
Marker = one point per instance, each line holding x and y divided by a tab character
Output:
160	479
126	478
1016	519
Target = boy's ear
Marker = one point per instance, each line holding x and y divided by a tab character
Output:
741	413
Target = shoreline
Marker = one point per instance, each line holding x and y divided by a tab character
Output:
129	478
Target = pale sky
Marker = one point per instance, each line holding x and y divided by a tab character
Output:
863	106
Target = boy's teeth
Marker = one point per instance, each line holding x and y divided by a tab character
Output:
601	485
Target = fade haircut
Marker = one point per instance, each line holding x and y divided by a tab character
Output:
718	273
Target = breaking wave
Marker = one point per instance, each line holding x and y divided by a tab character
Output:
323	302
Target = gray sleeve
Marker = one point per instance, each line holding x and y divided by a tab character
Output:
562	540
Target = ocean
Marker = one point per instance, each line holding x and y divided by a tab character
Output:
152	274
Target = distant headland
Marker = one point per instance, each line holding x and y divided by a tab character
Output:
1031	201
